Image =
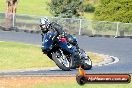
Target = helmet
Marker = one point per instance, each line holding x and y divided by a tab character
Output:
44	23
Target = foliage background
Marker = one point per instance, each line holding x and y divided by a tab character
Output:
114	10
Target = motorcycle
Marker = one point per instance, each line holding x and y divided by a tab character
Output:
65	52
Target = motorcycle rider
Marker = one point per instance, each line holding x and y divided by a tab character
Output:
47	26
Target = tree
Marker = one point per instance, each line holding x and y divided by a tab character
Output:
10	13
89	8
66	8
114	10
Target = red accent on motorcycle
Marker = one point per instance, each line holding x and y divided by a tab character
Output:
62	39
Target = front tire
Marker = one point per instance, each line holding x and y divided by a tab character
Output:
86	61
87	64
61	61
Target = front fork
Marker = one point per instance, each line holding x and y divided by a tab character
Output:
78	59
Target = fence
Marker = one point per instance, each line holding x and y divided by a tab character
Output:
73	26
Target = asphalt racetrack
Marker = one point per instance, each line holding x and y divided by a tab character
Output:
118	47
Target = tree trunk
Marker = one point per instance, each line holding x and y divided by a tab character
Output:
10	13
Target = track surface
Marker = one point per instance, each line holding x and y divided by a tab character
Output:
118	47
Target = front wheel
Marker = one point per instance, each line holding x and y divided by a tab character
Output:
61	60
86	61
87	64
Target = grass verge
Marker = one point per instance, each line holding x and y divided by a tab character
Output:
31	7
35	7
22	56
51	82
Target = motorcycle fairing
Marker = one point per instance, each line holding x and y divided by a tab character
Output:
47	43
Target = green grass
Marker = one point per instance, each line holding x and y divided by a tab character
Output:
64	83
75	85
2	6
22	56
52	82
31	7
35	7
88	16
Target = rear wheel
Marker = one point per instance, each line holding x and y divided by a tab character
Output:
61	60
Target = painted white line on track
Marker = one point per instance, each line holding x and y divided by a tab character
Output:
108	60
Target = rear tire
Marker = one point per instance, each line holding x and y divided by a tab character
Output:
59	60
